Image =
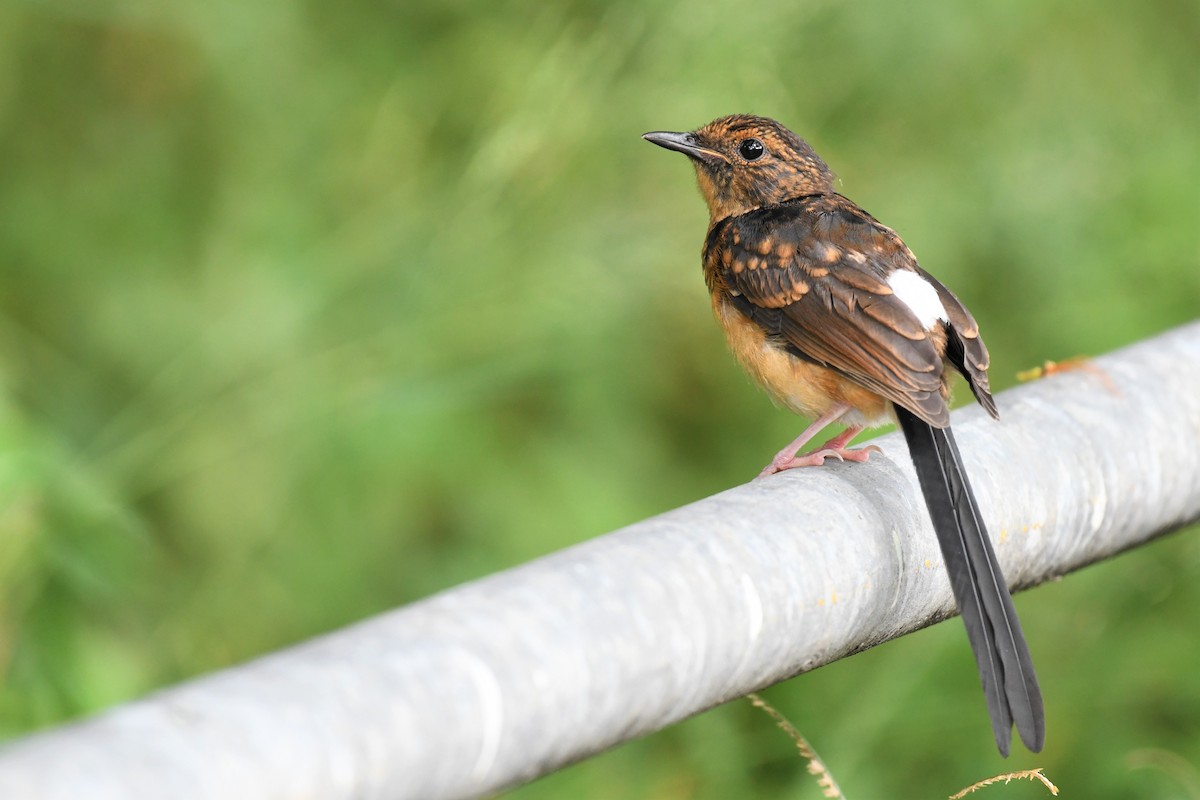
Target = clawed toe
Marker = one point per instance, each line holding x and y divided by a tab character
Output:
861	455
817	458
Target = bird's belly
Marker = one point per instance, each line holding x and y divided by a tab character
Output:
798	385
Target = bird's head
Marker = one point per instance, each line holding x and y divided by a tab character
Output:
745	162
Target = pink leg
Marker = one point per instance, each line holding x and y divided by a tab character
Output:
834	448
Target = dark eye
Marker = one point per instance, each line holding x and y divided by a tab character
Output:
751	149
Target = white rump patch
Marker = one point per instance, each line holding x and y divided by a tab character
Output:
919	295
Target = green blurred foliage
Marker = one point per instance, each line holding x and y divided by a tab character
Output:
313	309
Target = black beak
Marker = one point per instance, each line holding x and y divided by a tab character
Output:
685	143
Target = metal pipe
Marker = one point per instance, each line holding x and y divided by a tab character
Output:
509	677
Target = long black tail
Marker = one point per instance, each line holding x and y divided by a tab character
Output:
993	629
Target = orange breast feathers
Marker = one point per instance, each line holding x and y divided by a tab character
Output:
798	385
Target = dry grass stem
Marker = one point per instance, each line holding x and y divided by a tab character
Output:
1025	775
816	767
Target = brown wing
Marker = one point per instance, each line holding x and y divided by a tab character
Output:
964	348
811	272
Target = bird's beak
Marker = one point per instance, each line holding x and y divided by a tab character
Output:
685	143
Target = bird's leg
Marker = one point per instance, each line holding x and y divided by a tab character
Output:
834	448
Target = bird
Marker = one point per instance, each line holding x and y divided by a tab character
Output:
829	312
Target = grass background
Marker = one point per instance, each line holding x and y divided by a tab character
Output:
312	309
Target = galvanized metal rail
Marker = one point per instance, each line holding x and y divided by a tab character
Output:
497	681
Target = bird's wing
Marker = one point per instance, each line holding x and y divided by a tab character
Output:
813	274
964	348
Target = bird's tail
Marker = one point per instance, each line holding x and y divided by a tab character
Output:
993	629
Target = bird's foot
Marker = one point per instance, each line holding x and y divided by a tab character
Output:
816	458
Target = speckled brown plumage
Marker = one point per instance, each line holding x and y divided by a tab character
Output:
811	271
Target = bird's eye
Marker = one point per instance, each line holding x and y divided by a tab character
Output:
751	149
